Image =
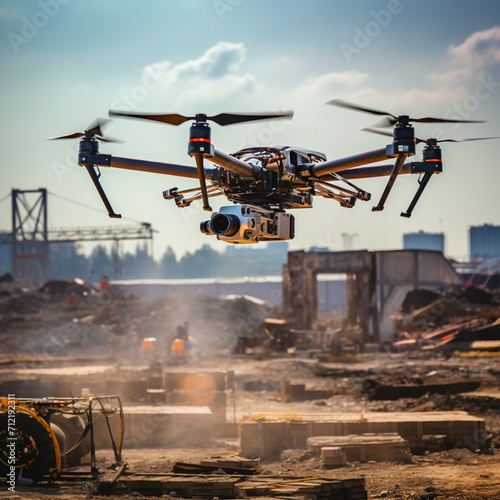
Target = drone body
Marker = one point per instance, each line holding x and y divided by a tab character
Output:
264	182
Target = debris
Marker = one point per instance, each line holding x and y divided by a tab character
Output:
418	298
478	295
186	468
5	278
298	392
387	391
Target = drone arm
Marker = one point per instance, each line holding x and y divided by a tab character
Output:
103	160
234	165
90	160
331	166
370	171
154	167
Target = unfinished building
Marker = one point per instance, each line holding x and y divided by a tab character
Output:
376	285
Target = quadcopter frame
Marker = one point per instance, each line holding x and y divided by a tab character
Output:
266	181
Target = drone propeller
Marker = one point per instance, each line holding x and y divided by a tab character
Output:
90	147
431	141
432	154
200	145
391	119
220	119
92	131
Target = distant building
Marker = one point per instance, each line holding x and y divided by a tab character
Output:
423	241
484	242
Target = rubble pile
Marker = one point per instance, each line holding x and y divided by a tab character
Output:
453	320
64	318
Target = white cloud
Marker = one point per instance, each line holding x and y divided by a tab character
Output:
352	86
214	75
324	86
482	48
478	52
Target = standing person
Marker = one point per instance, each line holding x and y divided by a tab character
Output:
104	284
181	346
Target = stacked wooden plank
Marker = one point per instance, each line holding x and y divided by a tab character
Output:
314	488
236	486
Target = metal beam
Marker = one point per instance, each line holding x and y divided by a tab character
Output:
144	231
30	236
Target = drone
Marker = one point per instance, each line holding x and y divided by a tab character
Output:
263	182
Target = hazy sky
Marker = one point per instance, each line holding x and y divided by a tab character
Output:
66	62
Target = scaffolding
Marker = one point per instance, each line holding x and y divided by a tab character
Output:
30	237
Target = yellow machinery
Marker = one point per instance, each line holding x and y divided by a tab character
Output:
31	445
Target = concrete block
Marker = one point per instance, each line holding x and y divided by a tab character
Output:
451	427
157	426
331	451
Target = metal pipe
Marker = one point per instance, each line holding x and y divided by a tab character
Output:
330	166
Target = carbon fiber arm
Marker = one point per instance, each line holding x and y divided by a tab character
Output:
330	166
154	167
371	171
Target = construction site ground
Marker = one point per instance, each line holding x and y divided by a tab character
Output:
43	338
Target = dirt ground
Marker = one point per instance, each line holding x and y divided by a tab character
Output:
43	340
457	474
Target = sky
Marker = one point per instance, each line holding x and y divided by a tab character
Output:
66	62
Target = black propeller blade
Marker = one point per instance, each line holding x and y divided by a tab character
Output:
93	130
434	141
232	118
430	141
391	119
375	131
220	119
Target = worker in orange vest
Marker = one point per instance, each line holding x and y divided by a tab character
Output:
104	284
180	349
